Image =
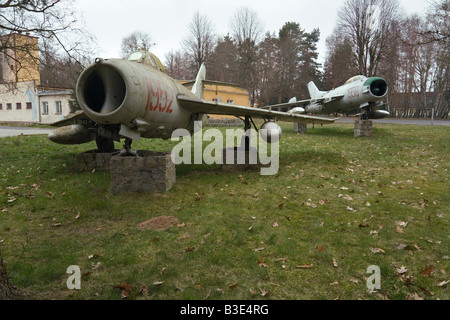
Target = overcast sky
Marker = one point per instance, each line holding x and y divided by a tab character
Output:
166	21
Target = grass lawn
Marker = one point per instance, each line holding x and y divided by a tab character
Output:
337	206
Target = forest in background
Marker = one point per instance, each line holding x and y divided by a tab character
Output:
371	38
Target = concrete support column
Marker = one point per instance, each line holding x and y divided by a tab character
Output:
363	128
147	172
300	128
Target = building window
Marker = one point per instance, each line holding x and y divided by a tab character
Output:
9	106
58	107
1	106
18	106
29	106
230	101
44	107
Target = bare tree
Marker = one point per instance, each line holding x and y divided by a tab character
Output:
137	40
247	30
246	25
7	290
199	44
222	64
369	25
53	20
340	63
177	65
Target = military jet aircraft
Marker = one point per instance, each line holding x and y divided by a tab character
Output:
134	97
359	93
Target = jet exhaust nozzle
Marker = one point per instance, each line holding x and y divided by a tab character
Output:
378	86
101	89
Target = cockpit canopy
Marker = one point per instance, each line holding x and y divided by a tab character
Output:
146	57
355	79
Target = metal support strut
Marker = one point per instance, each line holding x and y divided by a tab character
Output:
127	148
247	127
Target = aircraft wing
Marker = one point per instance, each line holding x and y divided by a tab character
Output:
299	103
72	118
326	100
288	104
210	107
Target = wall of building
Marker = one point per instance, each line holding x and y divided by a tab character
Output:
24	101
20	62
23	93
52	99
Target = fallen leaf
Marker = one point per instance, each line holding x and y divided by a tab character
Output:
428	270
399	229
144	291
377	250
157	283
402	270
234	286
443	283
320	248
399	246
414	296
304	266
335	264
262	264
263	292
126	290
189	249
401	223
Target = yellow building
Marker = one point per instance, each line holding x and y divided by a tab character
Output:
224	92
19	62
22	98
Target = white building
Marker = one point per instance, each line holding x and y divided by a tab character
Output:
22	98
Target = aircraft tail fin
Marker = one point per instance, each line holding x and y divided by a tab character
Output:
314	92
197	89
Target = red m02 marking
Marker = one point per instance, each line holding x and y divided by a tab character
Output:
160	94
353	92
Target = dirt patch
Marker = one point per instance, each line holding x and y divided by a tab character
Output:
158	223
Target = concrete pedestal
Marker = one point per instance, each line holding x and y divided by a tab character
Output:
94	160
363	128
238	160
148	172
300	128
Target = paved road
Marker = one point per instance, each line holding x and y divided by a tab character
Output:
17	131
420	122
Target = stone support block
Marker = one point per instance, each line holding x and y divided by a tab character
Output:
300	127
94	160
363	128
147	172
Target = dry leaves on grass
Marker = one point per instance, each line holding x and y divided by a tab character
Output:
159	223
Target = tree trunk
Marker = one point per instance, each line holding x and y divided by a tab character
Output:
7	290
